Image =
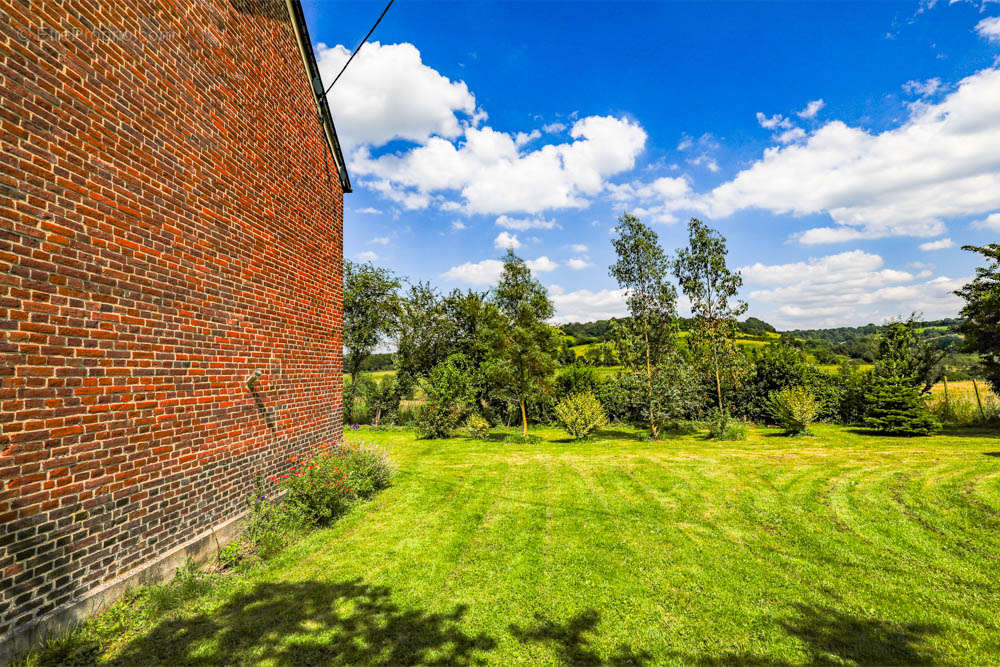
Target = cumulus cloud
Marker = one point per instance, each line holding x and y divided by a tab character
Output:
585	305
846	288
944	161
656	201
491	174
367	256
389	93
775	122
940	244
578	263
542	265
522	224
991	222
553	128
506	240
812	108
989	29
485	272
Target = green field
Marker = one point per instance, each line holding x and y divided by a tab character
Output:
841	548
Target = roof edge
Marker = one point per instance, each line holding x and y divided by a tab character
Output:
312	70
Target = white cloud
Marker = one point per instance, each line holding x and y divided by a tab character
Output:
991	221
940	244
490	173
553	128
775	122
521	138
812	108
458	225
922	88
367	256
380	240
586	305
989	29
542	264
485	272
791	136
522	224
658	201
488	271
578	247
846	288
506	240
943	162
389	93
370	210
578	264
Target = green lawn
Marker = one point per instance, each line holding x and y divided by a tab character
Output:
839	548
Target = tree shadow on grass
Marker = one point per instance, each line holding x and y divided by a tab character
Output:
834	636
570	645
309	623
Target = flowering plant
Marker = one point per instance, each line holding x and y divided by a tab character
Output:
322	484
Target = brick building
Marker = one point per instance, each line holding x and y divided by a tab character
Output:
171	192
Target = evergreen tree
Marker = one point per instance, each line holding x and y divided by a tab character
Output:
522	346
896	407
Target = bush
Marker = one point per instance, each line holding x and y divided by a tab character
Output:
724	427
621	398
576	379
580	414
367	467
478	427
895	407
793	409
434	420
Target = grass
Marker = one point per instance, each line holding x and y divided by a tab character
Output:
839	548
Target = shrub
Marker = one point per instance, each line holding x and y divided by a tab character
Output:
434	420
367	467
793	409
621	398
724	427
576	379
895	407
580	414
478	427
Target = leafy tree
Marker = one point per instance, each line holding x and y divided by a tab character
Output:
793	409
580	414
981	325
522	346
648	335
712	288
371	307
425	335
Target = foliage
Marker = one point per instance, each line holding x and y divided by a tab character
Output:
449	393
370	310
723	427
706	280
425	335
851	385
621	398
896	407
522	346
793	409
434	420
575	379
581	414
981	326
317	486
773	368
755	327
902	354
478	426
679	393
641	270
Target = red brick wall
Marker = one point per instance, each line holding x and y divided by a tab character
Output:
167	226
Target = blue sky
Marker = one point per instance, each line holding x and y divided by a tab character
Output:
846	150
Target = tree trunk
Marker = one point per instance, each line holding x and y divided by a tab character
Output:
524	419
718	381
649	379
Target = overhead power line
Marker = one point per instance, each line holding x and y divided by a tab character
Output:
359	46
